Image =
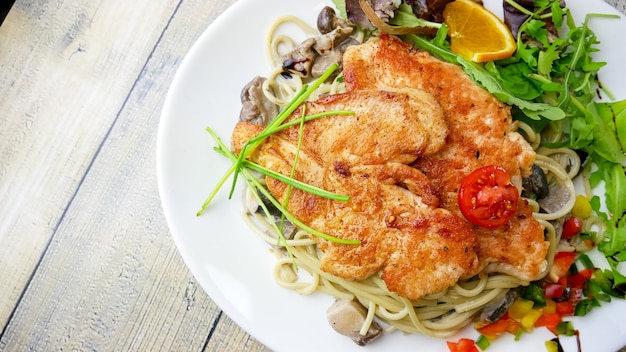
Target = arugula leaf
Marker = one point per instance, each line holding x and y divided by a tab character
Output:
620	127
519	79
598	119
405	17
534	110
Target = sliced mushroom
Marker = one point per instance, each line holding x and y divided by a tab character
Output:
347	317
559	195
255	107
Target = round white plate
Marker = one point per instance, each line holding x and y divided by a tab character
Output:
234	266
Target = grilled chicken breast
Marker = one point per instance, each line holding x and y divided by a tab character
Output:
480	132
393	210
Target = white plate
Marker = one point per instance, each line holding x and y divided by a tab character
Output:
234	266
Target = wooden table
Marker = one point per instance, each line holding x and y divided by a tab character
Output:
86	258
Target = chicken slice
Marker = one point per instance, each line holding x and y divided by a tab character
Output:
480	132
418	248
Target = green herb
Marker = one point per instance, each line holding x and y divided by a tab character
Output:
244	167
252	144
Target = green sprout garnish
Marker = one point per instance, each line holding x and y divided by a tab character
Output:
243	167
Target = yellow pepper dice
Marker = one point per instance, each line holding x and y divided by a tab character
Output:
552	346
582	207
520	308
550	306
529	320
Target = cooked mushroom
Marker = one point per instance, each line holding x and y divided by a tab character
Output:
494	310
323	62
300	59
559	195
536	184
385	9
314	55
347	317
255	107
327	21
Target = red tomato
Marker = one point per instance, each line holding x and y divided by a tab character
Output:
572	227
464	345
487	198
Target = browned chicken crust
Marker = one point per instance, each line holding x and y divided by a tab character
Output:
481	132
393	210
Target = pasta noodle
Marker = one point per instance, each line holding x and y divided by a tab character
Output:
438	315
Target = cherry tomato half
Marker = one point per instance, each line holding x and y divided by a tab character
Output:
487	198
572	227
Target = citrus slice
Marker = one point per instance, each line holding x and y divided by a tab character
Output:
476	33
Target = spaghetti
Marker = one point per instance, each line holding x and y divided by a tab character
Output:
439	315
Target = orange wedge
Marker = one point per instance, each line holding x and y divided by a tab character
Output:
476	33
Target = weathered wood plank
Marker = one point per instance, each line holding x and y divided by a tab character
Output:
111	277
57	107
227	336
620	5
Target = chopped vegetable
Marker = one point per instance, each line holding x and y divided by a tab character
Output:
553	290
534	293
520	308
582	207
463	345
561	265
494	329
529	320
553	346
549	320
482	342
572	227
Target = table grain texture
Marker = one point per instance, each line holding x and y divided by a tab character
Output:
86	258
